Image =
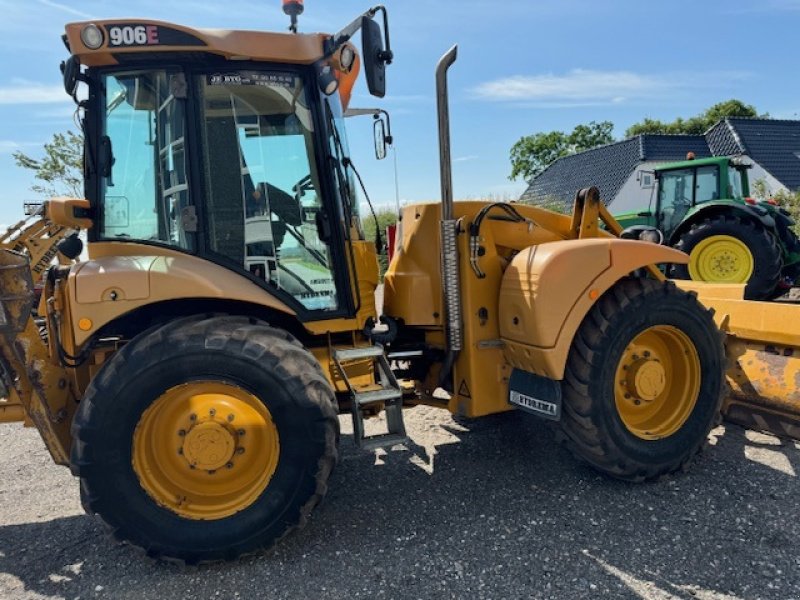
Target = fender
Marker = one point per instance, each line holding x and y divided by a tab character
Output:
105	288
548	289
706	210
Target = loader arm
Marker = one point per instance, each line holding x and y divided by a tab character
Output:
36	237
33	386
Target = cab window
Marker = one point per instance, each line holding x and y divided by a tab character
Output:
706	184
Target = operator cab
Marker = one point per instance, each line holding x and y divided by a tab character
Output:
228	147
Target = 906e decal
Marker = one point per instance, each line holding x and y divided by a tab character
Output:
127	35
133	35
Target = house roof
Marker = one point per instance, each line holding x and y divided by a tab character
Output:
774	144
608	167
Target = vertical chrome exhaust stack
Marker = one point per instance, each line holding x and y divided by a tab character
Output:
448	233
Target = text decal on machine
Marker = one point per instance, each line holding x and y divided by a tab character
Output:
133	35
127	35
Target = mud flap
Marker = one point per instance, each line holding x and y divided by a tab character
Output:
538	395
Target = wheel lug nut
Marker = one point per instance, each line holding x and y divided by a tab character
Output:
230	418
180	450
627	396
212	471
646	353
193	417
637	402
240	451
181	432
229	465
240	432
212	412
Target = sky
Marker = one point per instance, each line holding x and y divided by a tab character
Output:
524	66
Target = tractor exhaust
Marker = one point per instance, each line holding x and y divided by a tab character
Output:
448	232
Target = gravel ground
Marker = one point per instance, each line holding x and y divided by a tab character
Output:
487	508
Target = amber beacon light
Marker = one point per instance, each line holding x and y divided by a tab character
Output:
293	8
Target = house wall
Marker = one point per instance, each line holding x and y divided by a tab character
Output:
758	172
631	196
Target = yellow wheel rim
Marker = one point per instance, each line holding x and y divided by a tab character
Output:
205	450
722	259
657	382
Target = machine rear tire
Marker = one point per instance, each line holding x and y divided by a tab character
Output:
657	429
206	491
765	253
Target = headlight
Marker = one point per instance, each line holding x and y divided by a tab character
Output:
347	57
92	37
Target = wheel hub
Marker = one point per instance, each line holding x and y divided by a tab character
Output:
205	449
646	379
657	382
209	446
721	258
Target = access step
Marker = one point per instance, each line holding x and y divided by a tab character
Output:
386	393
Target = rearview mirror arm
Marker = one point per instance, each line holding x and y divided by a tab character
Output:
336	41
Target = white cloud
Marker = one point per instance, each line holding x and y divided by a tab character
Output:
585	87
65	8
28	92
576	85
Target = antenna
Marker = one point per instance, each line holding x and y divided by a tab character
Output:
293	8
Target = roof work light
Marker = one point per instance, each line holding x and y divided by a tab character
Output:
293	8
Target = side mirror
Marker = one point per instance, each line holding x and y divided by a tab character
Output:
375	57
379	131
71	69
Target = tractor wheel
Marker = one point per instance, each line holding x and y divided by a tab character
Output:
206	439
643	383
726	249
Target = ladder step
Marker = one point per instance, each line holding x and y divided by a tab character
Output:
358	353
382	441
362	398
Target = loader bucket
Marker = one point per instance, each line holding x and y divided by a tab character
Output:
763	349
764	387
16	292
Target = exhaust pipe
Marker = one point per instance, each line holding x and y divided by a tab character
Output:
449	258
443	114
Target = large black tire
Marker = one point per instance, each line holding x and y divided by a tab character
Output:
591	423
267	363
767	255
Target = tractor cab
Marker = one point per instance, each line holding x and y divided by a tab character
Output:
694	182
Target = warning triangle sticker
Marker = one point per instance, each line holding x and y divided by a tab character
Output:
463	390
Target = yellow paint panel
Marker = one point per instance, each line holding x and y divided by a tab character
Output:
141	280
541	286
546	313
254	45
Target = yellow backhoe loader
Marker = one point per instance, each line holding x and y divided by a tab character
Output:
195	364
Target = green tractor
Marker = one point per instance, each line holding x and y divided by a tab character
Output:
703	207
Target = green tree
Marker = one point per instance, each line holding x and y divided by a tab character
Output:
532	153
60	171
698	124
386	217
787	199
